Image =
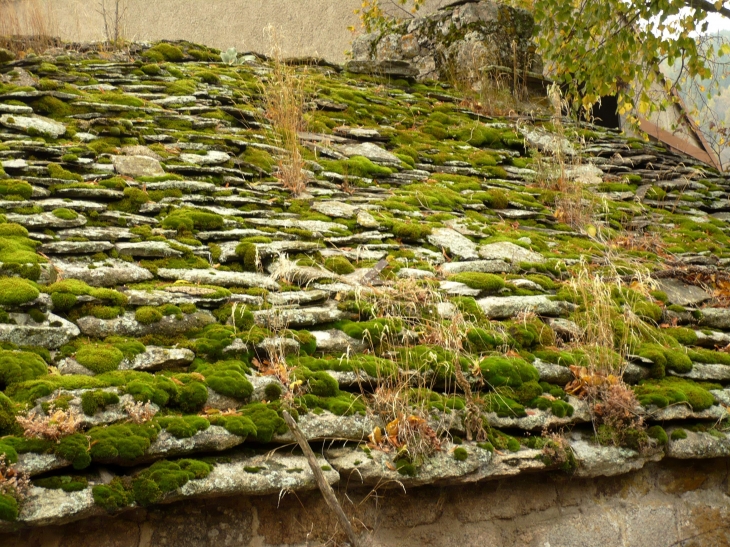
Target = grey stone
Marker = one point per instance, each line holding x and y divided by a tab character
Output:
314	226
172	295
127	325
156	358
212	439
212	157
110	273
297	318
36	125
504	307
565	328
336	209
137	166
371	151
412	273
682	293
53	333
147	249
219	278
706	372
554	374
326	425
509	252
716	318
41	221
32	463
454	242
75	247
712	339
337	342
97	233
366	220
538	420
699	445
278	346
548	142
607	461
454	288
187	186
481	266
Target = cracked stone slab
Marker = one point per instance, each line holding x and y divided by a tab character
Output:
504	307
109	273
454	242
220	278
53	333
35	124
607	461
137	166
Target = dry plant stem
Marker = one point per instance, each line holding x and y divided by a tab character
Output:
26	25
325	488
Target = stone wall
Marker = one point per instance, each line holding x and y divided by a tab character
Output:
305	27
667	504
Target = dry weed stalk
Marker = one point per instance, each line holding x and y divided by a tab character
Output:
52	426
27	25
113	14
284	96
139	412
12	482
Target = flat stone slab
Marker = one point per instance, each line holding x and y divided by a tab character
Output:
41	221
371	151
156	358
220	278
481	266
53	333
127	325
298	317
147	249
109	273
509	252
682	293
504	307
75	247
36	125
608	461
706	372
716	318
698	445
454	242
137	166
336	209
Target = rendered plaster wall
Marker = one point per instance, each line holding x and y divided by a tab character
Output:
305	27
667	504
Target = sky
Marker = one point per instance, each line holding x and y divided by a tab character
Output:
718	22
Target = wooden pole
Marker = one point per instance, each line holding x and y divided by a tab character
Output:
325	488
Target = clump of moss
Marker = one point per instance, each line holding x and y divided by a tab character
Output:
685	336
99	358
249	255
124	442
460	454
166	476
58	172
507	371
112	496
8	508
489	283
657	433
13	187
65	214
668	391
339	264
146	315
20	366
227	378
183	427
678	434
187	220
15	291
64	482
410	231
164	52
75	287
93	401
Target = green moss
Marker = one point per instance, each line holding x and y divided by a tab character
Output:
7	417
187	220
63	301
684	336
489	283
664	358
15	291
460	454
249	255
99	358
79	288
266	421
65	214
112	496
93	401
164	52
146	315
227	378
8	508
183	427
507	371
657	432
339	264
20	366
57	172
12	187
667	391
272	392
64	482
410	231
372	331
678	434
121	442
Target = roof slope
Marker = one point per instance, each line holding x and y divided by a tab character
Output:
449	287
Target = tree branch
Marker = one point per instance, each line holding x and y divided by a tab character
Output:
325	488
706	5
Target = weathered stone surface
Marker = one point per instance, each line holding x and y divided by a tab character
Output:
36	125
454	288
212	157
32	464
371	151
335	209
716	318
212	439
137	166
537	420
156	358
509	252
148	249
337	342
297	318
330	426
483	266
53	333
554	374
683	294
222	279
454	242
127	325
109	273
704	372
41	221
606	461
699	445
496	307
75	247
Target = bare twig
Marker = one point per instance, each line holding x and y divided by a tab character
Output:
325	488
